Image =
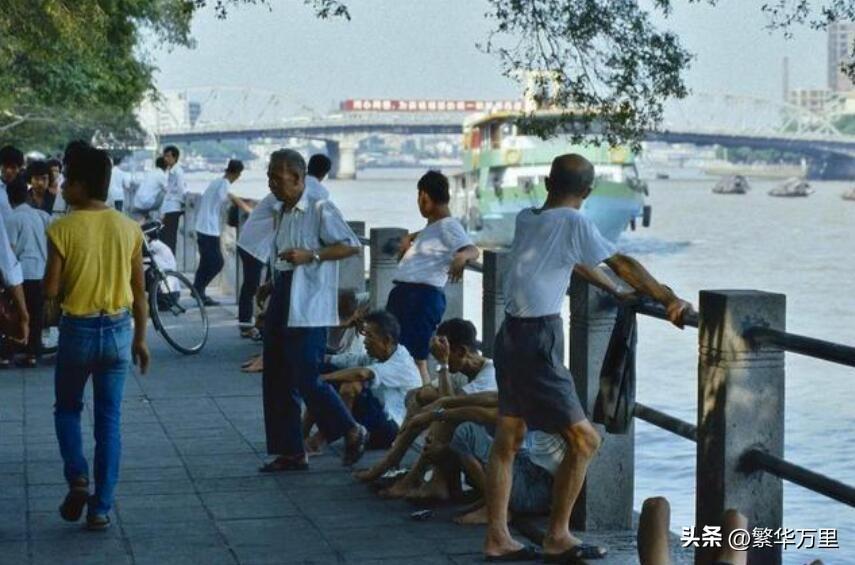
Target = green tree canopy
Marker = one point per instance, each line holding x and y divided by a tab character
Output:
77	68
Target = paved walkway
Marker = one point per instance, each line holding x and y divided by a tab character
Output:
189	490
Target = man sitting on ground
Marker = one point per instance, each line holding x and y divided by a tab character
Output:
465	378
375	386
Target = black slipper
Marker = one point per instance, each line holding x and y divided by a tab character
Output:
525	553
280	465
575	553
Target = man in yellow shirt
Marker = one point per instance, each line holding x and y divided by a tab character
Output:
95	269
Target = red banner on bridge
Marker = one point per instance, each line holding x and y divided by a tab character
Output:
389	105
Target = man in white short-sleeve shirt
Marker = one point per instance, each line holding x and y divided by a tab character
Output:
120	181
465	378
208	227
173	202
429	259
376	386
152	189
535	389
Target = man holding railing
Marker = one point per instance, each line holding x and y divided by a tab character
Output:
535	389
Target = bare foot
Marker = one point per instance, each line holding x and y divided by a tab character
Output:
496	545
250	361
555	545
477	516
432	490
256	366
367	475
400	489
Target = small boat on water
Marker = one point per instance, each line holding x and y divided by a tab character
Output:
849	195
734	184
793	188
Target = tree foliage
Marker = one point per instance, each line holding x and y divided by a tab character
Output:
77	68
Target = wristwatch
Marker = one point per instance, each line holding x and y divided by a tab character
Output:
316	256
442	367
439	414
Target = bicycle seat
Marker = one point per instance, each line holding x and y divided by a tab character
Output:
152	227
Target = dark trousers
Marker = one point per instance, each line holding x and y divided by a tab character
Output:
210	261
118	204
34	297
292	357
368	411
251	280
169	234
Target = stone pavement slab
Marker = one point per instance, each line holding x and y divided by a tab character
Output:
189	492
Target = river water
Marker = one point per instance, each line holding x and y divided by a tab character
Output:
804	248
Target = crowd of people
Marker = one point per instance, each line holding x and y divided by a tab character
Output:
512	427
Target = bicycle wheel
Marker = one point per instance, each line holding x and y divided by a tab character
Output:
177	310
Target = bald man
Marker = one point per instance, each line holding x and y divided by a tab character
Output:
535	389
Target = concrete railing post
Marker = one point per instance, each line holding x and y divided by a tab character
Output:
740	406
187	233
384	261
454	299
493	298
605	501
351	271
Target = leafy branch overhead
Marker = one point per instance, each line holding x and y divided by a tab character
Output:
80	68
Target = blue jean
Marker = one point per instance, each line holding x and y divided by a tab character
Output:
100	347
419	309
292	358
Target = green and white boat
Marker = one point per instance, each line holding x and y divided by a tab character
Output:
504	171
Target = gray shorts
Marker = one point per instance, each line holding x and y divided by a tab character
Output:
531	492
533	382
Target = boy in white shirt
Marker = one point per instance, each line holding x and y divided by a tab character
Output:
173	204
151	191
120	181
430	258
376	386
27	227
208	227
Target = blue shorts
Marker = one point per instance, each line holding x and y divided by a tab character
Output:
419	309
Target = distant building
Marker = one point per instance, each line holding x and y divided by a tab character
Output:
841	37
818	101
169	111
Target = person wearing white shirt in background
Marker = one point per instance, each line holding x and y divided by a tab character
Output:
311	237
55	168
208	227
151	191
26	228
429	259
173	203
11	164
254	243
318	168
120	182
376	386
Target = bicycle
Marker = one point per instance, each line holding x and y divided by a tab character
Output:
175	306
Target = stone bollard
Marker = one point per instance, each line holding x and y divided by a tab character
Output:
493	298
740	406
605	502
351	271
187	234
384	261
454	299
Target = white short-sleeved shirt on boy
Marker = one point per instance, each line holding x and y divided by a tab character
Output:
153	183
547	245
175	189
393	378
211	206
256	234
428	258
484	381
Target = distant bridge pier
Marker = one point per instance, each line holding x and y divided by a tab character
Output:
342	152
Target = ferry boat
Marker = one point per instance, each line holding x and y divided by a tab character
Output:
504	170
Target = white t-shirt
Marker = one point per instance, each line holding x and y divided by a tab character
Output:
119	182
211	206
153	183
547	245
175	189
546	450
256	234
315	187
428	258
393	378
484	381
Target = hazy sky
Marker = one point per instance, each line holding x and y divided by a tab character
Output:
427	48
